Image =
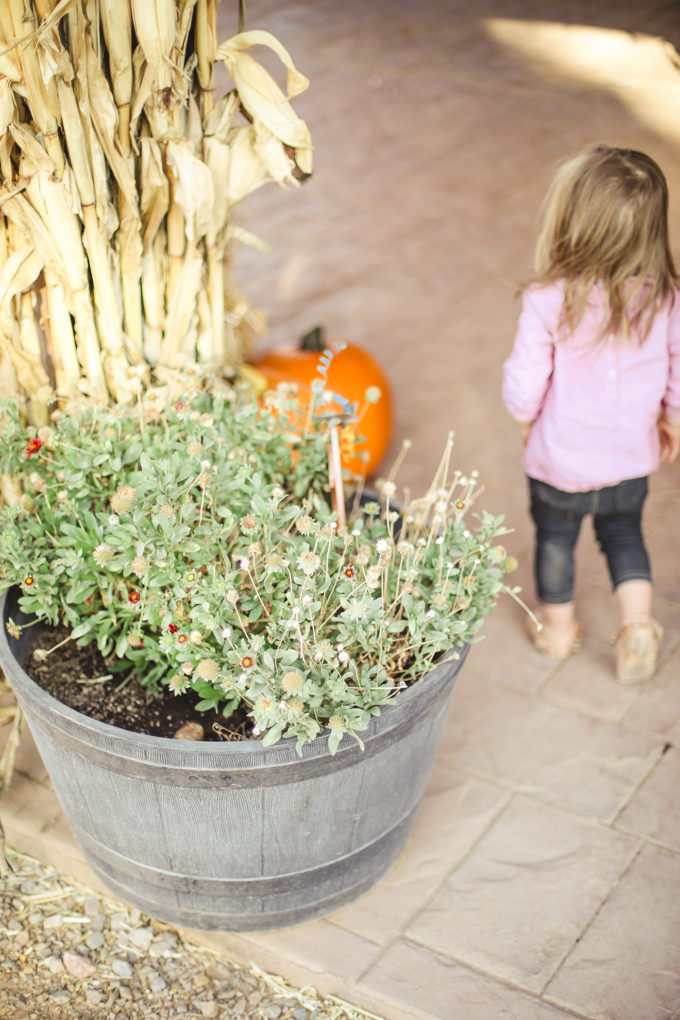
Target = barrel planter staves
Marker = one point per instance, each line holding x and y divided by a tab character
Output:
235	836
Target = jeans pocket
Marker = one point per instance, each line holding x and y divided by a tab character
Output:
631	494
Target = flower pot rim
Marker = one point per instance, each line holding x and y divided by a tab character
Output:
248	747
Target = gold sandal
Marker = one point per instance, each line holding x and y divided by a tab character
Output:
637	649
556	644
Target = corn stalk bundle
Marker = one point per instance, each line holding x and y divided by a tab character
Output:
119	174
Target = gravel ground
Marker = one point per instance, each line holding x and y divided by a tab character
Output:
68	953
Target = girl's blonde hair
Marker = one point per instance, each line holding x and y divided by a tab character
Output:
605	221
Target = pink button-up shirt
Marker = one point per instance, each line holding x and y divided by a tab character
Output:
594	406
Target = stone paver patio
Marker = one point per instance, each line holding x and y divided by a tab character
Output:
542	879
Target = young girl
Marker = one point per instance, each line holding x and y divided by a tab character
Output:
594	384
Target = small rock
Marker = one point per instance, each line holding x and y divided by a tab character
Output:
79	966
274	1012
61	997
35	918
122	968
53	921
21	939
141	938
125	992
239	1007
98	922
28	887
207	1009
91	906
119	922
53	964
190	731
157	984
93	995
95	940
301	1014
14	925
219	972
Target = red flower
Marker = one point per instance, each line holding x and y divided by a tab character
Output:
173	628
134	597
33	446
28	581
246	662
182	639
349	572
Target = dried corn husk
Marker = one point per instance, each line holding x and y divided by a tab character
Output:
155	27
262	97
120	172
116	21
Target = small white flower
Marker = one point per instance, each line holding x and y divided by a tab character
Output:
306	600
256	731
244	563
343	657
113	520
356	532
226	633
430	613
283	705
382	545
440	540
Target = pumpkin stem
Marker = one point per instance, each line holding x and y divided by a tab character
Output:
313	341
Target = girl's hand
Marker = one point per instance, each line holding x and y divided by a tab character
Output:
524	430
669	439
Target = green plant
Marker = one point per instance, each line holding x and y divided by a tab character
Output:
199	545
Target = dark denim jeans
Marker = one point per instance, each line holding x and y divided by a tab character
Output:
617	518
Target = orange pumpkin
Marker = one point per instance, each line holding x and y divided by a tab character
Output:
348	372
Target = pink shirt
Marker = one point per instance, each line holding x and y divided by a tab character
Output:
594	405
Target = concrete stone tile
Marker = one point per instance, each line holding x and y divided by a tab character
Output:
627	964
653	810
657	706
552	752
505	654
28	807
321	948
434	987
586	682
28	760
454	813
524	894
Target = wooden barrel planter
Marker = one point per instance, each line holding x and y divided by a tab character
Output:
233	836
